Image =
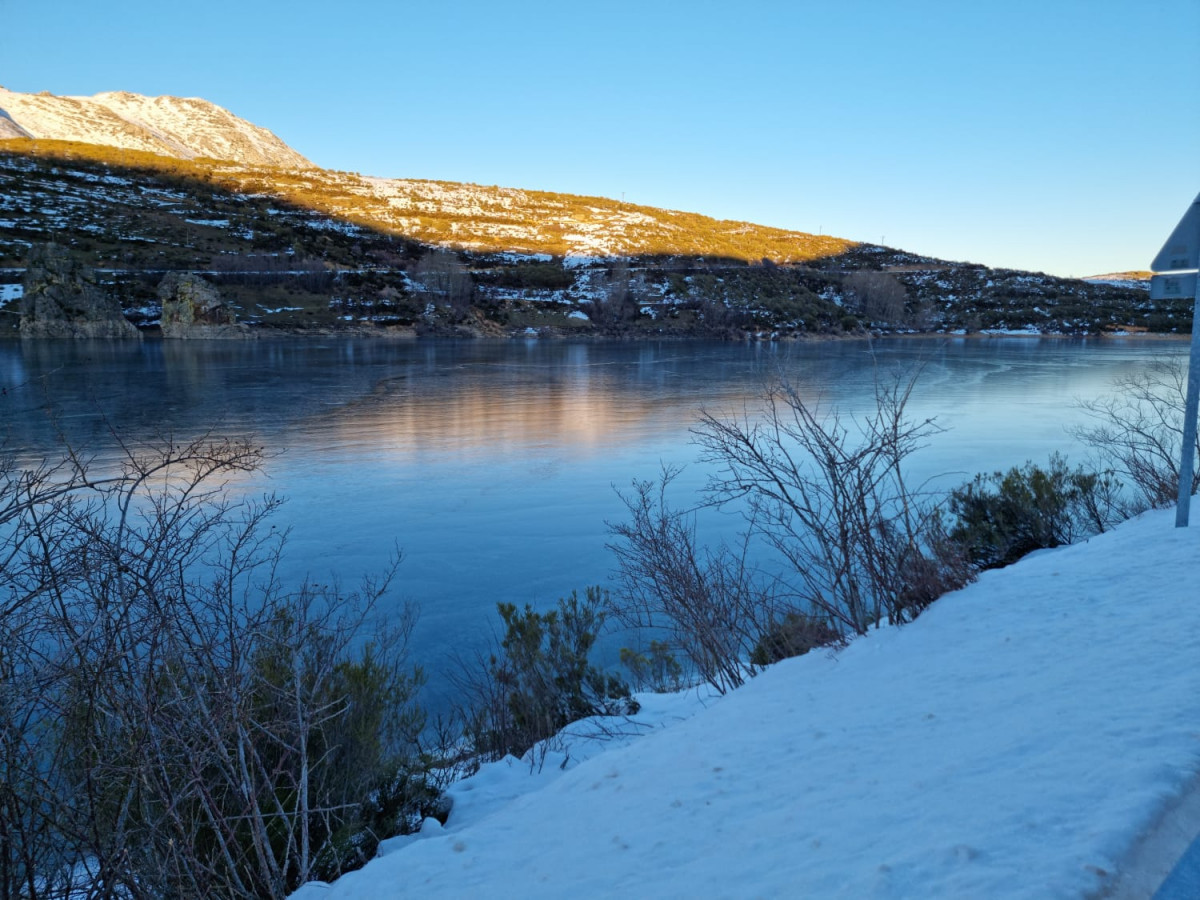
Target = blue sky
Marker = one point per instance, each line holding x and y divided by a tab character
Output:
1058	136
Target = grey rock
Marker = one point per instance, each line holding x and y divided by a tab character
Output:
193	308
63	299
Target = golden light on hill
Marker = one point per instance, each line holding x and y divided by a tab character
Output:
475	217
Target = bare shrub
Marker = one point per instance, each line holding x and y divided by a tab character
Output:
831	496
857	545
876	296
1138	432
442	279
175	722
710	604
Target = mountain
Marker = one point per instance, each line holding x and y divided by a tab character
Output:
141	186
186	128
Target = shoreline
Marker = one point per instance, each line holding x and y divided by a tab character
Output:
466	333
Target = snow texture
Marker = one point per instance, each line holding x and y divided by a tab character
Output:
1013	742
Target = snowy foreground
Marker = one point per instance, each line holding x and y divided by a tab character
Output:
1016	741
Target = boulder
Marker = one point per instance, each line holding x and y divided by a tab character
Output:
193	308
63	299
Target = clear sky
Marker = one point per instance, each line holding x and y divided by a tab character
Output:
1057	135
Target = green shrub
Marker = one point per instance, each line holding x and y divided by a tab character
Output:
398	805
1003	516
540	680
793	635
660	671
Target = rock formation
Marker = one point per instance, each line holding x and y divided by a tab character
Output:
193	308
63	299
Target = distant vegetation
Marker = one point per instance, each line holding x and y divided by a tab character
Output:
306	248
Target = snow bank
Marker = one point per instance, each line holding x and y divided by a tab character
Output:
1014	741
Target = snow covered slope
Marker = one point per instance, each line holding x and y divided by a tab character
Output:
1013	742
169	126
9	128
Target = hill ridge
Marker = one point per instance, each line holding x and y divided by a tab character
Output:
303	247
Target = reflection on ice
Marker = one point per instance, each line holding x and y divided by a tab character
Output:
492	464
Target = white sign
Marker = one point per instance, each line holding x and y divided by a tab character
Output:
1182	249
1173	287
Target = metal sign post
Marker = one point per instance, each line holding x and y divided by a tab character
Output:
1179	260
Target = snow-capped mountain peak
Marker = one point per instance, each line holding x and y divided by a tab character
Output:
171	126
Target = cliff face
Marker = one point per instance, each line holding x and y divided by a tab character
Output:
185	128
62	299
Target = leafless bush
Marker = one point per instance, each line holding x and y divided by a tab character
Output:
857	544
831	496
710	604
442	279
877	296
172	721
618	294
1138	432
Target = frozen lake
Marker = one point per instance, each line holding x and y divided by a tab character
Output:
493	465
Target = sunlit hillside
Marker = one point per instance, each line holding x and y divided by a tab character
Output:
475	217
303	249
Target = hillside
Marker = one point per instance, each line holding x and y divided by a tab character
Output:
298	247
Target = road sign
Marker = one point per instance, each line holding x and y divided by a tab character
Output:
1180	255
1182	249
1173	287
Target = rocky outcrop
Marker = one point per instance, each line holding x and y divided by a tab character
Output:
63	299
193	308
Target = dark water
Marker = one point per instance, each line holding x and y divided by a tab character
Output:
493	464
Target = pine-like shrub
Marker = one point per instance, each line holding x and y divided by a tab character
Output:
657	669
540	679
1003	516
